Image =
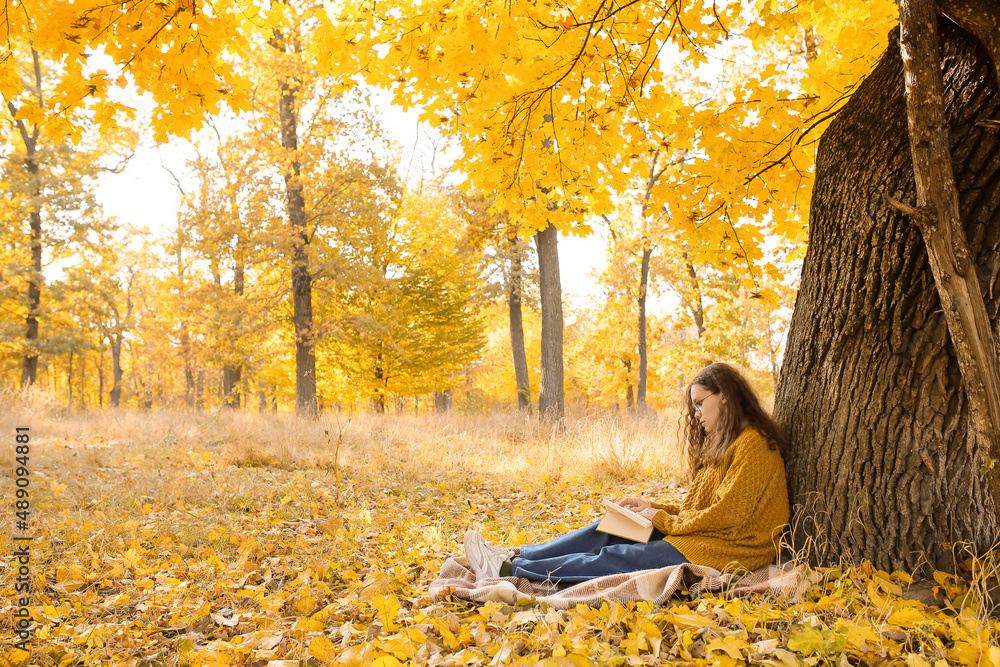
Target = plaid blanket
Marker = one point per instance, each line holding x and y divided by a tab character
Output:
456	579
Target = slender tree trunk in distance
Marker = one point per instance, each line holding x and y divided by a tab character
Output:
514	292
442	401
937	216
884	462
189	382
29	367
116	369
378	400
83	379
231	376
69	382
305	346
232	373
551	402
100	379
697	306
199	392
643	365
629	395
647	251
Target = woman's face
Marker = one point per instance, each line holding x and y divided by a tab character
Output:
707	407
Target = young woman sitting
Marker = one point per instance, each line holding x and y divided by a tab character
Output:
732	516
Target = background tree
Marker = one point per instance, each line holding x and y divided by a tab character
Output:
506	262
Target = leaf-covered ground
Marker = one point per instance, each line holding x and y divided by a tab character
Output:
181	541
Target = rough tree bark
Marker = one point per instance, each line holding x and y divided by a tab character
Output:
514	290
551	404
885	463
937	216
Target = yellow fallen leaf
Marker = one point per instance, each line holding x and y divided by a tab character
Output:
964	652
386	606
914	660
322	649
907	617
352	657
689	620
809	641
68	586
14	658
786	658
731	646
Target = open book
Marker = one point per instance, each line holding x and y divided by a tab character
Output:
623	522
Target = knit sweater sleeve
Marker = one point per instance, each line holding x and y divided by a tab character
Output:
745	482
669	508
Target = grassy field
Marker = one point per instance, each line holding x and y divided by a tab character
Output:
184	539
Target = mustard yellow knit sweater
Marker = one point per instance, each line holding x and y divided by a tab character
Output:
734	513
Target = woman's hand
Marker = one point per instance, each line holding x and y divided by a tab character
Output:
634	504
648	512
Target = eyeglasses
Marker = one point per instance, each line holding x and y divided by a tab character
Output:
697	404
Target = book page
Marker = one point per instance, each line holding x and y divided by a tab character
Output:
627	513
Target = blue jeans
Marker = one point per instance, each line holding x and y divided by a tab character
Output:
587	554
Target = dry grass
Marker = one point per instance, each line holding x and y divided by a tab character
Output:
504	444
107	468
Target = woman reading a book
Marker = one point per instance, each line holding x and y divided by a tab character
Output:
732	516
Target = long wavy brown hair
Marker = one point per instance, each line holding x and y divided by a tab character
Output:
740	408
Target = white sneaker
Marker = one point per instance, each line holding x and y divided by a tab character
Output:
485	558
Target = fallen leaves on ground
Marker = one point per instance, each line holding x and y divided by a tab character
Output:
169	557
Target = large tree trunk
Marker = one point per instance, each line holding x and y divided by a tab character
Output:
514	291
937	215
885	463
305	346
550	391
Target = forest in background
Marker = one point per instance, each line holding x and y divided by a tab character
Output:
412	282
